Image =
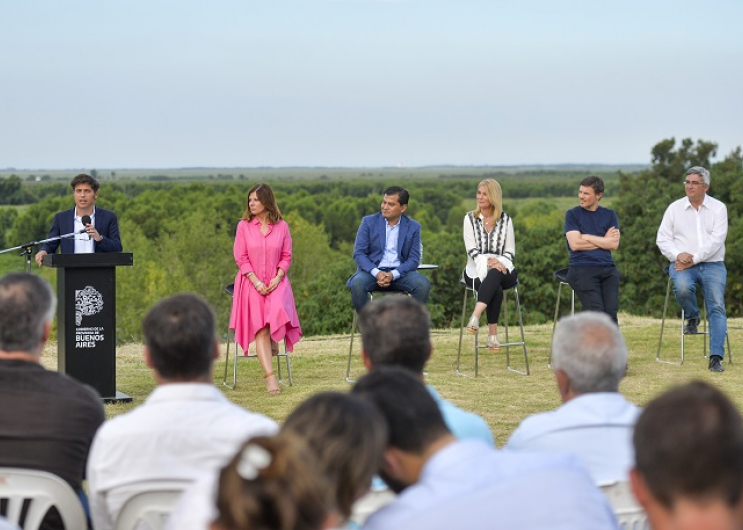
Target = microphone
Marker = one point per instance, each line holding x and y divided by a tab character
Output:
85	220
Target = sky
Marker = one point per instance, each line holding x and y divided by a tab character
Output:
364	83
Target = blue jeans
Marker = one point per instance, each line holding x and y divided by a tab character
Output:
362	283
711	276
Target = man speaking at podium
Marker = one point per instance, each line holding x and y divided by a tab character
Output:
94	229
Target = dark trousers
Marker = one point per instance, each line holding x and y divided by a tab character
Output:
597	288
490	291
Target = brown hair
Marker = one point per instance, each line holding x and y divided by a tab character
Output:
283	492
348	436
84	178
265	195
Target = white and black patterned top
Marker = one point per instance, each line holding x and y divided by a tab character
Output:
481	244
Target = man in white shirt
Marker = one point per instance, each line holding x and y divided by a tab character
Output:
185	430
595	422
692	237
446	483
689	460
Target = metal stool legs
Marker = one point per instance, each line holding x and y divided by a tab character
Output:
561	275
354	324
284	354
505	344
682	334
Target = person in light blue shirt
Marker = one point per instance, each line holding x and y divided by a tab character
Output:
445	483
396	331
595	422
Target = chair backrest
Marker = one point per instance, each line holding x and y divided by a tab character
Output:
41	490
150	507
630	514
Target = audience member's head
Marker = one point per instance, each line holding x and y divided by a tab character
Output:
180	338
26	311
588	354
272	484
689	455
414	421
348	436
395	331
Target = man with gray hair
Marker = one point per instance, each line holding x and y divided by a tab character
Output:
47	419
595	422
692	236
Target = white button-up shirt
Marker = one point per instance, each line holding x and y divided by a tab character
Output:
183	431
701	232
84	244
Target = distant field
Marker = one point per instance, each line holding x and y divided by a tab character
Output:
526	173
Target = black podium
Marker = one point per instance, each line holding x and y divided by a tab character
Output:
86	317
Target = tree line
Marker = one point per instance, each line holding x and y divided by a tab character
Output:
182	235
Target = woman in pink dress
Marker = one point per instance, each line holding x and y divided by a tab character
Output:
263	304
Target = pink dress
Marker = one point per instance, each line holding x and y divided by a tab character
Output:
251	311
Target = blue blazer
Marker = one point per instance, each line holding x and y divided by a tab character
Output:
371	239
105	222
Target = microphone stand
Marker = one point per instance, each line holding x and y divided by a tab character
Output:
27	248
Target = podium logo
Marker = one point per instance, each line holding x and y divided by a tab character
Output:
88	302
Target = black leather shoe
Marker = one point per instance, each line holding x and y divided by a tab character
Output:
715	364
691	326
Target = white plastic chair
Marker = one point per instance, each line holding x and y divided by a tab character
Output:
151	506
41	490
630	514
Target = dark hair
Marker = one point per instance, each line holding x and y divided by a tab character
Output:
83	178
180	334
285	493
265	195
413	416
348	436
395	330
593	182
26	304
689	443
402	194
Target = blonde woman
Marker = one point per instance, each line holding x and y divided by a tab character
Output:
491	250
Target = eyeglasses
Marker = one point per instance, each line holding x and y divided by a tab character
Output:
693	183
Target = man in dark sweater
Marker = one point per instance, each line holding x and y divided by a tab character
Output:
592	232
47	420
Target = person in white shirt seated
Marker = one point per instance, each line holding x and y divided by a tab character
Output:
688	472
595	422
185	429
446	483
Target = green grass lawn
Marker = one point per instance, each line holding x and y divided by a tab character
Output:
503	398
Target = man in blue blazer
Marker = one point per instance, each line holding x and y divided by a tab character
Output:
99	234
387	252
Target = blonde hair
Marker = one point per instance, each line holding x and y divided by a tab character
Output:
494	194
272	484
